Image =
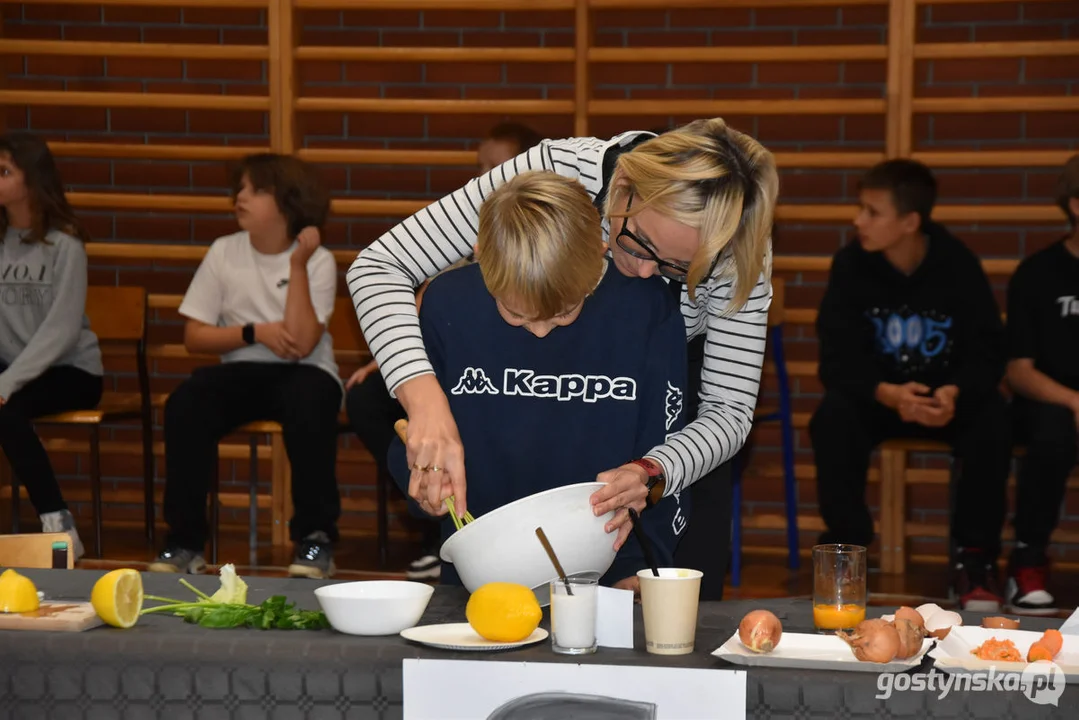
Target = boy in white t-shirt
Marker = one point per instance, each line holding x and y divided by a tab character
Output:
262	299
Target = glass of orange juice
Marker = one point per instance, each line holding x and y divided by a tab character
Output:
839	587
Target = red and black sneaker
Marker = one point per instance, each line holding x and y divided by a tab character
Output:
974	583
1026	592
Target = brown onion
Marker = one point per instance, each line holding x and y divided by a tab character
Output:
910	638
915	617
760	631
873	641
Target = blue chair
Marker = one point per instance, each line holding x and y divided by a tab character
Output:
785	418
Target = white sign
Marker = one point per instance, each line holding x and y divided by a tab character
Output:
479	690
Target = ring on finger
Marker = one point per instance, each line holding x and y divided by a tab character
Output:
433	468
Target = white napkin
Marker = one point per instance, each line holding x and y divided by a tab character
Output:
614	618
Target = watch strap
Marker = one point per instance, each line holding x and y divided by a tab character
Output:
248	333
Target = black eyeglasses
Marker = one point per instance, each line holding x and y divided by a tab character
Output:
642	250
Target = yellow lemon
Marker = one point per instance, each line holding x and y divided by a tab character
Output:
503	612
117	597
17	593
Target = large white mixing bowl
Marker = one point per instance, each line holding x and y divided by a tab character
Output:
501	546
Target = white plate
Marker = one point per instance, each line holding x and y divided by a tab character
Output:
953	653
813	652
461	636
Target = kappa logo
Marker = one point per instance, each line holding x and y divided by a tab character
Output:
474	381
674	404
590	388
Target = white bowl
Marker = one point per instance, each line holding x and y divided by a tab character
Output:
501	546
374	607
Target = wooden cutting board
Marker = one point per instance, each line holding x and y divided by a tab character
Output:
53	616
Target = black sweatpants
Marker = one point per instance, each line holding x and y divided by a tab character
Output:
1049	433
216	400
845	429
706	542
59	389
372	411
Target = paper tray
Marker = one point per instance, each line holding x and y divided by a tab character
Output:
953	653
813	652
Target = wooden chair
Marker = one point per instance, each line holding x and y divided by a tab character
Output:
118	318
35	550
348	344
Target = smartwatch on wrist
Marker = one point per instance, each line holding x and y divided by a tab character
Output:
249	333
657	481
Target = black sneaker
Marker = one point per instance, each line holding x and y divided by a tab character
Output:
974	583
175	559
428	567
314	557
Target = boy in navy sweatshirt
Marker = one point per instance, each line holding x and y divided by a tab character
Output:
912	346
556	365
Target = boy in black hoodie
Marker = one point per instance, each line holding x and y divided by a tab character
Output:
1043	369
911	346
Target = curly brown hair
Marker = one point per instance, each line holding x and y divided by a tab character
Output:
296	186
49	208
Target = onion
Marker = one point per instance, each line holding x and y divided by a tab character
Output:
760	631
910	638
873	641
912	615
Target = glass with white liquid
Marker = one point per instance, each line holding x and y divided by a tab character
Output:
573	617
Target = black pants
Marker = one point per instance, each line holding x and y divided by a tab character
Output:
372	411
1049	433
706	544
217	399
59	389
845	429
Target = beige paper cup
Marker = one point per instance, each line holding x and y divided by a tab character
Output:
669	604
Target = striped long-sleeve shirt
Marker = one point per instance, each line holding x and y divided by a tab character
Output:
384	276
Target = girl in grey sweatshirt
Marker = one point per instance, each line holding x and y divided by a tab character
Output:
49	358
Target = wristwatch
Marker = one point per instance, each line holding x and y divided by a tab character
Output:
657	481
249	333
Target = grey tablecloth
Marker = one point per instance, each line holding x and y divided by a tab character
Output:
164	668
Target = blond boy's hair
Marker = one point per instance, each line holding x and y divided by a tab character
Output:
540	244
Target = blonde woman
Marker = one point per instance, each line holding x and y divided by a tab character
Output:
693	205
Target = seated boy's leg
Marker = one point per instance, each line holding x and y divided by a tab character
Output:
198	414
1050	435
844	430
982	441
309	403
983	449
372	413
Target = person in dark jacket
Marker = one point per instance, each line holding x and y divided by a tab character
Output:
1043	370
912	346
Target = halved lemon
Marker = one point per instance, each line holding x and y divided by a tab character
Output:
117	597
17	593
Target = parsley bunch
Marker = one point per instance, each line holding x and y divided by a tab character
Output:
228	608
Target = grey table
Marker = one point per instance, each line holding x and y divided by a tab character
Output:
164	668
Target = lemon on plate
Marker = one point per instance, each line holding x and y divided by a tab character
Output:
503	612
17	593
117	597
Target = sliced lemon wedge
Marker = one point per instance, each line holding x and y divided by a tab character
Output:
117	597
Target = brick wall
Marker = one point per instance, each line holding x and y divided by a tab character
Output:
802	26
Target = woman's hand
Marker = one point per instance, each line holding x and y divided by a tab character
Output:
626	487
435	453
